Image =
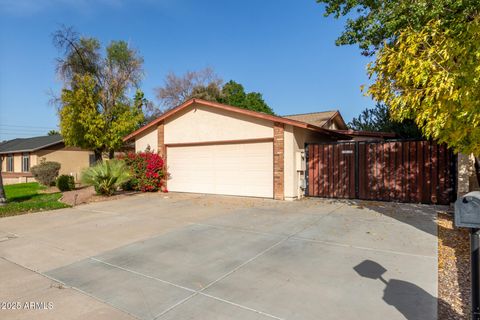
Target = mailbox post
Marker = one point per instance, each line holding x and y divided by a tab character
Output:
467	215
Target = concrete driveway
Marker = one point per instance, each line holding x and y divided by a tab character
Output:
206	257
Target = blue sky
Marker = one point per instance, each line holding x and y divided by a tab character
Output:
282	48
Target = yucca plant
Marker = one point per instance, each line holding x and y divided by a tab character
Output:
106	176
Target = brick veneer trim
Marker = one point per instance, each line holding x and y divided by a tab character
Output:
278	161
161	139
162	149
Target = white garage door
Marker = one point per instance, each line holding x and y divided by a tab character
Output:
231	169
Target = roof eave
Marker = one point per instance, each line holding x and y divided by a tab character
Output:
367	133
272	118
31	150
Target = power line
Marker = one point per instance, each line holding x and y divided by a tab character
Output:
19	126
24	129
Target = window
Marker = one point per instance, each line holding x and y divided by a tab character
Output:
10	163
91	160
26	162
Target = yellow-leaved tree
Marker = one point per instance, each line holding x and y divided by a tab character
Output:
427	62
432	75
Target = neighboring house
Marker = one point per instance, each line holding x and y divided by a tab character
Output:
220	149
19	155
332	120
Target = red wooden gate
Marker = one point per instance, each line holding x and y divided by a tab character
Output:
404	171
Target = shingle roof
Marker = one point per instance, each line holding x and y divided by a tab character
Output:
318	119
29	144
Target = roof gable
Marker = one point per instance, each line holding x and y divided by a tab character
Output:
251	113
29	144
320	119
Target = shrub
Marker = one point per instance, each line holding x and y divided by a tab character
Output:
65	183
106	176
130	185
147	171
46	172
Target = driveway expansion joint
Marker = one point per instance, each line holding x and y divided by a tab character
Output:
71	287
200	292
193	291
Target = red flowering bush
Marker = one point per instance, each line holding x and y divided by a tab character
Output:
148	172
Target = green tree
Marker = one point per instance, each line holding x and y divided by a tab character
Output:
95	111
378	120
84	125
234	95
53	132
254	101
207	85
426	66
371	23
210	92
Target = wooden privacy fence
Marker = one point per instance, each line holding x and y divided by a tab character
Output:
404	171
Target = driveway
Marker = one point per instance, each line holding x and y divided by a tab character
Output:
184	256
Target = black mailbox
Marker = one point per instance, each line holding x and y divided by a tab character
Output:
467	210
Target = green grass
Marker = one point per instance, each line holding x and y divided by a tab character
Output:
25	197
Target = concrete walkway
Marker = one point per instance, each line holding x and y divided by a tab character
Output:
208	257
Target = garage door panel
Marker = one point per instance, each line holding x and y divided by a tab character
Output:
231	169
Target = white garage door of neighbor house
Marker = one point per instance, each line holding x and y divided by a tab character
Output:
231	169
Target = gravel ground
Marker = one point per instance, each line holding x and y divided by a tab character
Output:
87	195
453	270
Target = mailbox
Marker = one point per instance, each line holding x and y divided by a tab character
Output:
467	210
467	214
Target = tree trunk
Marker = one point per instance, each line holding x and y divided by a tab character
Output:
3	197
98	156
111	154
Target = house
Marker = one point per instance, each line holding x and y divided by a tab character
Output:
220	149
332	120
19	155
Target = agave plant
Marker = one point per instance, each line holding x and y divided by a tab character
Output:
106	176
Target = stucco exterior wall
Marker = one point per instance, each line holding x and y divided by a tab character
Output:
17	162
7	181
291	179
466	177
296	145
147	139
72	161
331	125
33	160
202	124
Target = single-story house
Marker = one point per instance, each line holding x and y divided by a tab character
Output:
221	149
19	155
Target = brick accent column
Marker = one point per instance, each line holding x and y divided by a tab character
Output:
162	150
278	161
161	139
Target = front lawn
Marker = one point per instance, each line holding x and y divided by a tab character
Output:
27	197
